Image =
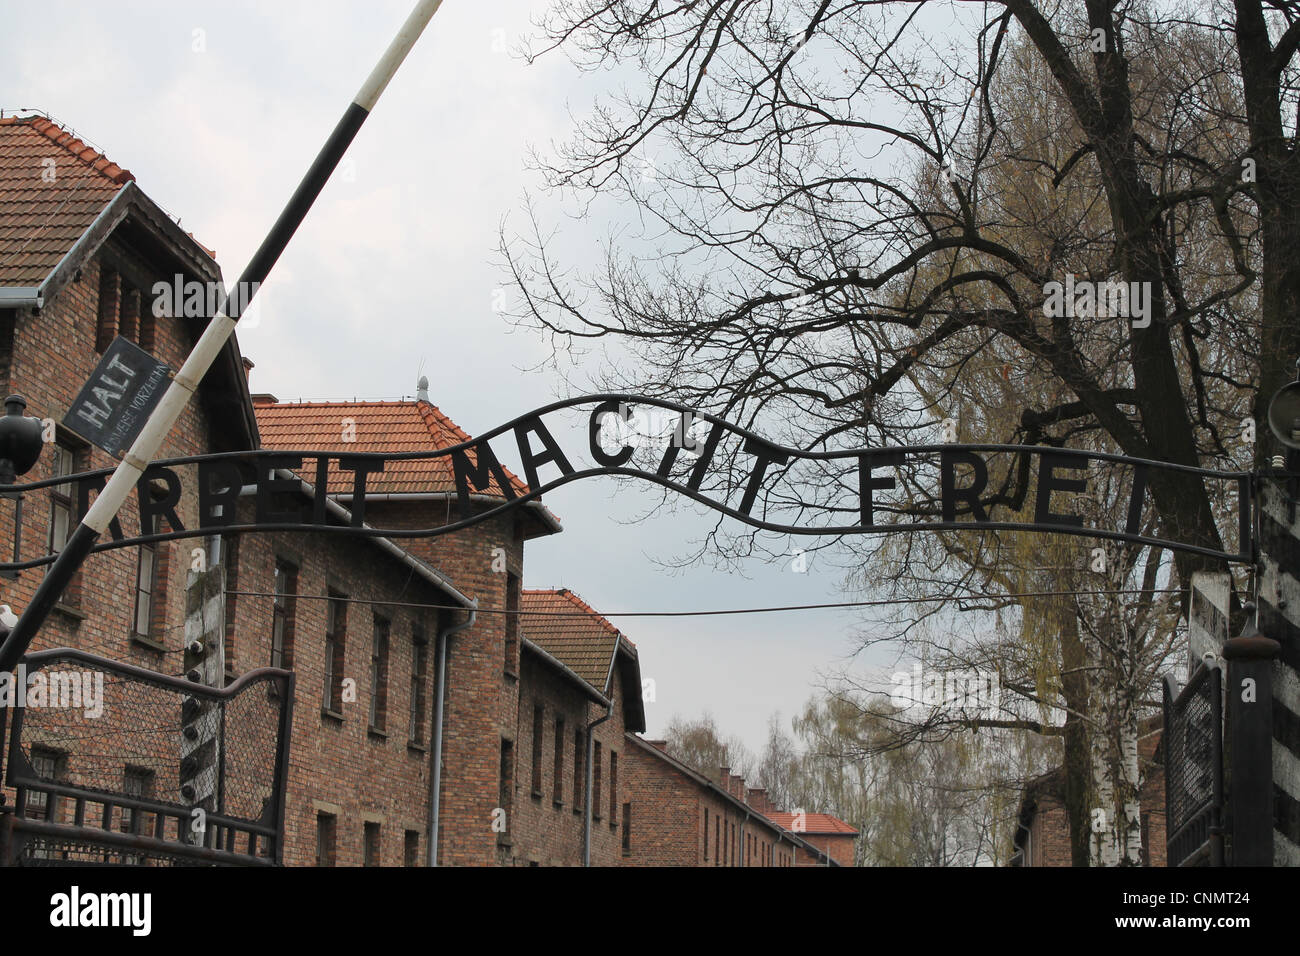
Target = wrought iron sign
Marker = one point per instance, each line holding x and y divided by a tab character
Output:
701	456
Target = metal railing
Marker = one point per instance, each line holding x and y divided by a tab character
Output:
94	766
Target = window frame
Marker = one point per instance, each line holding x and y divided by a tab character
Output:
283	612
336	629
419	678
371	844
145	597
326	826
539	735
558	796
380	635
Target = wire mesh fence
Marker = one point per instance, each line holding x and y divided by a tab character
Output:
111	763
1193	742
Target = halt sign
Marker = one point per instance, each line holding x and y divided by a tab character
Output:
113	406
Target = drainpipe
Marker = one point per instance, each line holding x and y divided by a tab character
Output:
591	747
440	697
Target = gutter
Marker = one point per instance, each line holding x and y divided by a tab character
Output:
440	697
24	297
115	211
591	747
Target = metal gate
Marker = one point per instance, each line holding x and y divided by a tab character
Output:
94	766
1193	744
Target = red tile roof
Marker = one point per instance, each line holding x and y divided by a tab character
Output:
822	823
388	427
41	220
571	631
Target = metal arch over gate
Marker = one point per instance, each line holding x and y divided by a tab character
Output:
700	446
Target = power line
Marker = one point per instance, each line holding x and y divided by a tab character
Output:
710	613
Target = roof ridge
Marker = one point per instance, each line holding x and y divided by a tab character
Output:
73	144
582	605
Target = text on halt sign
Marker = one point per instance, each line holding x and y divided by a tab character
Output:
113	406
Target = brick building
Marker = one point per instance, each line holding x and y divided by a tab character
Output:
679	817
827	833
577	671
1042	836
435	696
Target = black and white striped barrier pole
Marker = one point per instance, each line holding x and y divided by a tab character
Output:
210	344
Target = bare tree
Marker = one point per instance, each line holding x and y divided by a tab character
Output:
854	220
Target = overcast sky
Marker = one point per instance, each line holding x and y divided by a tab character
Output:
218	109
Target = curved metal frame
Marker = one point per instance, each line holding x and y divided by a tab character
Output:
1245	482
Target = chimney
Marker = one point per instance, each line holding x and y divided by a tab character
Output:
659	745
759	801
265	398
738	787
422	390
248	369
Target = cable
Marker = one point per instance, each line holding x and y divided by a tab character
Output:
714	613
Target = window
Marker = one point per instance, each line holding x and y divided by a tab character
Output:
146	585
136	782
326	828
379	674
734	846
506	786
148	329
538	715
110	290
627	829
63	513
411	849
595	782
370	845
336	623
706	834
230	557
419	674
512	624
282	614
578	780
717	843
129	318
613	789
49	766
559	762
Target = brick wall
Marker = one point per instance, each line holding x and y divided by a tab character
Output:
51	356
678	820
340	764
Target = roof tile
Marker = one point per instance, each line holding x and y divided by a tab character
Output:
571	631
44	208
385	427
822	823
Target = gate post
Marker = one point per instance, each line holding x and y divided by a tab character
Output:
1249	706
1278	617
